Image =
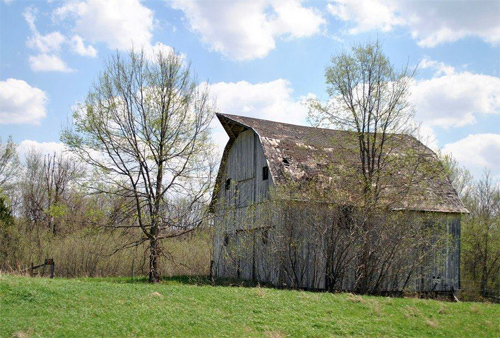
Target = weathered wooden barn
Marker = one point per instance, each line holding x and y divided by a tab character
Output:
285	207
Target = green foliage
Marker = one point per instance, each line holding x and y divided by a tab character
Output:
88	308
481	236
9	164
6	218
7	234
57	210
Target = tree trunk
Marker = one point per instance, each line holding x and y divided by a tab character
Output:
484	275
154	274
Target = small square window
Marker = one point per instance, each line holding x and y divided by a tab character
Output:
265	173
228	184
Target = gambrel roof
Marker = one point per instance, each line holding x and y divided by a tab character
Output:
413	178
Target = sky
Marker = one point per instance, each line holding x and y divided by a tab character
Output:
261	59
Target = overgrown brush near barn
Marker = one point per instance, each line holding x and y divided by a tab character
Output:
100	253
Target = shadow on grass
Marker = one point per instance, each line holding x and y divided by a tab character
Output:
233	282
206	280
183	279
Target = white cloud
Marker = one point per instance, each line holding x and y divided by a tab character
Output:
78	46
48	63
245	30
21	103
427	136
151	52
430	22
48	46
368	15
440	67
448	21
295	20
46	43
477	152
454	100
43	147
43	43
269	100
118	23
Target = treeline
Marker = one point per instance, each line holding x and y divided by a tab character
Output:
48	211
480	236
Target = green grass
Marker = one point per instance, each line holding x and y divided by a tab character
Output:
117	308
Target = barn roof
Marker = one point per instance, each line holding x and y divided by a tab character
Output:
330	158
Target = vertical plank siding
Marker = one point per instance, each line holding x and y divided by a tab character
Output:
244	254
304	245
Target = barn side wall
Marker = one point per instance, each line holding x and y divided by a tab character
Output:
413	251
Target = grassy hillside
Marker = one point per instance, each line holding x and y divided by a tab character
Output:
100	307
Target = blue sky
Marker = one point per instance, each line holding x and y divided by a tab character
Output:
261	58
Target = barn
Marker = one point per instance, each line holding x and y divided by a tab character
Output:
288	212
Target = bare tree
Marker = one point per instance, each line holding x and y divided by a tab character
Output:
369	97
9	164
45	188
145	128
460	177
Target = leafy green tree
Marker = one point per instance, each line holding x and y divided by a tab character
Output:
369	97
481	234
480	257
6	226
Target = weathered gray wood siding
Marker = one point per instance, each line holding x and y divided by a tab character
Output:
242	234
441	271
311	247
291	245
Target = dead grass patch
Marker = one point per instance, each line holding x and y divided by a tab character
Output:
274	334
156	295
260	292
412	312
355	298
432	323
475	309
22	334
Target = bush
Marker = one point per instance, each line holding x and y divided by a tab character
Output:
104	253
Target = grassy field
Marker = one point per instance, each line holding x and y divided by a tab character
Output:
32	307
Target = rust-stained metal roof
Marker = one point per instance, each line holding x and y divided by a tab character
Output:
413	178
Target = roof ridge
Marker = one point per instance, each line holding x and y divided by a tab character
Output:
236	117
304	153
